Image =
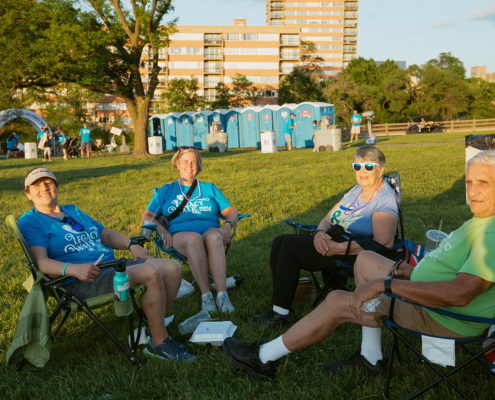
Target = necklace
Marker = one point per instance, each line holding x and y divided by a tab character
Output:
185	195
368	202
65	220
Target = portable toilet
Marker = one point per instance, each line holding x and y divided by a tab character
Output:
186	128
172	131
283	114
218	116
306	113
267	122
251	126
156	121
233	120
201	128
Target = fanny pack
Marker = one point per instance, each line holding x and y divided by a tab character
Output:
165	221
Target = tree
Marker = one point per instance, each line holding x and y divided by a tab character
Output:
182	95
310	60
299	86
98	46
242	93
482	99
449	62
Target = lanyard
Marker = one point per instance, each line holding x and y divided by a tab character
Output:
58	220
360	208
185	195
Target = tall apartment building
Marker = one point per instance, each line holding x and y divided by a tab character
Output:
480	72
332	26
213	54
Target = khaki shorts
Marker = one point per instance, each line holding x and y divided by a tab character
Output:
47	150
356	129
411	317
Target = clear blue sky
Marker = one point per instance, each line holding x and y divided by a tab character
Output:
414	31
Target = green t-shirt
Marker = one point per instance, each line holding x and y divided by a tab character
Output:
471	250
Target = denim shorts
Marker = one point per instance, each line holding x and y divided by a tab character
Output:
103	283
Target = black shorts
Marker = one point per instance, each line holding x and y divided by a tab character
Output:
64	146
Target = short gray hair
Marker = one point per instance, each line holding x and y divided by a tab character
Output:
485	157
370	153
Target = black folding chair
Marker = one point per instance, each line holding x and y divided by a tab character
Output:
69	303
397	337
343	269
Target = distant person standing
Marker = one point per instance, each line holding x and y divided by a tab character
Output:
356	125
85	134
64	142
40	134
288	129
47	147
56	141
157	132
12	142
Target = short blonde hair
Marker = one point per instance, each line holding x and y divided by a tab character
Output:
181	152
485	157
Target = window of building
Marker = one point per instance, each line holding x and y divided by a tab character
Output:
185	50
162	53
276	22
212	36
185	64
186	36
348	57
250	65
350	32
350	14
111	106
349	48
269	93
126	120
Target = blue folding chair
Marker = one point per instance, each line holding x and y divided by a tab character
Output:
342	268
394	328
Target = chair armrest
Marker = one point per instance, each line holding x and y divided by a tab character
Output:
441	311
141	240
307	229
239	217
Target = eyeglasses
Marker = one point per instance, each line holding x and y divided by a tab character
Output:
73	223
368	166
188	147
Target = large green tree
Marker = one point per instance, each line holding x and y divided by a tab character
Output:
449	62
299	86
182	95
97	44
241	93
309	57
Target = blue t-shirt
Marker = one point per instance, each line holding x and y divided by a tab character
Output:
356	120
200	214
287	129
85	134
62	242
64	139
40	135
360	222
12	142
57	135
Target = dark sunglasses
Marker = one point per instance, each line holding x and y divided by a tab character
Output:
188	147
73	223
368	166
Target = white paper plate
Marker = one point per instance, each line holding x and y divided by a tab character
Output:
213	332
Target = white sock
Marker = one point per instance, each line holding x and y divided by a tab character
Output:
224	293
206	296
273	350
280	310
371	344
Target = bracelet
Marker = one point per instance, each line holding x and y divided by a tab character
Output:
388	284
315	232
64	268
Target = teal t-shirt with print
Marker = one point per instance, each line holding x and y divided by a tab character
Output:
470	250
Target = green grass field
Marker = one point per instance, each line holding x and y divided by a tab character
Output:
298	185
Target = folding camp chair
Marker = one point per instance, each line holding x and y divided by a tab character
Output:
394	328
69	303
342	268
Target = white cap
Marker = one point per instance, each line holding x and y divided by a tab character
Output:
36	174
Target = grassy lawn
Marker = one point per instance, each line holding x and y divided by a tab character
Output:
298	185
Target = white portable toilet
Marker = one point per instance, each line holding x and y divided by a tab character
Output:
268	142
155	145
328	138
30	150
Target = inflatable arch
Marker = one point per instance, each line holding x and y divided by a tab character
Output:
33	118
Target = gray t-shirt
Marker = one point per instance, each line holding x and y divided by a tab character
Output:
360	221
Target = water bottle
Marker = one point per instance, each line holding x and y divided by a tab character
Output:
231	282
190	324
120	283
147	232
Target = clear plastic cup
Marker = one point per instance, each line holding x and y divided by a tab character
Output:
190	324
433	239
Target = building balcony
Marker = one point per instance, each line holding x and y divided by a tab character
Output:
213	70
276	15
286	70
350	32
289	56
214	42
277	6
349	49
210	99
350	24
351	6
88	110
289	42
213	56
211	84
162	84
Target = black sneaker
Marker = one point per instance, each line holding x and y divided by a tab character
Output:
358	361
270	317
168	350
245	356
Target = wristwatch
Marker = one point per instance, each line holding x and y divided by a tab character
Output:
388	284
132	243
230	223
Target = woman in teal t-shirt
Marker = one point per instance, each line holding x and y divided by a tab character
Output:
64	141
196	232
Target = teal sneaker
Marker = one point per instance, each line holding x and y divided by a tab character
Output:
169	349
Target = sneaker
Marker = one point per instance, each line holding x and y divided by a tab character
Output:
314	150
169	349
358	361
224	304
245	356
270	317
208	304
149	336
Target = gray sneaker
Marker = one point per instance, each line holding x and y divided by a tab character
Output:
208	304
224	304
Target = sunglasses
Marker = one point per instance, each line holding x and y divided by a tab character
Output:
73	224
367	167
188	147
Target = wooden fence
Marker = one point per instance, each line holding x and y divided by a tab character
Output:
447	126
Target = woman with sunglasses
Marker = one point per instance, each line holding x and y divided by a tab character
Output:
196	231
65	241
369	208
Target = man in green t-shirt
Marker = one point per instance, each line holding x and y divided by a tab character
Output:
458	276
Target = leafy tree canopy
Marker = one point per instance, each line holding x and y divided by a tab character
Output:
449	62
241	93
299	86
182	95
